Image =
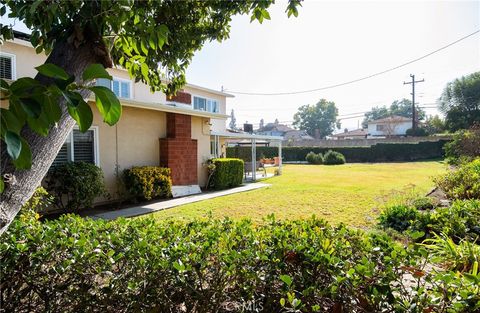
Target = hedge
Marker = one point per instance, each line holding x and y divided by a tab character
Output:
382	152
227	173
148	182
140	265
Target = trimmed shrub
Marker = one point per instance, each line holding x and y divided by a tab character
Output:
139	265
148	182
74	185
382	152
333	158
314	158
420	132
463	183
398	217
424	203
227	173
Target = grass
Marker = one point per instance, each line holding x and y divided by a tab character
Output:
340	194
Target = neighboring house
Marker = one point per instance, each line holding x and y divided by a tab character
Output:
390	126
353	134
288	133
153	130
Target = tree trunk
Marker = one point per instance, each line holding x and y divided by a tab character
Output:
21	184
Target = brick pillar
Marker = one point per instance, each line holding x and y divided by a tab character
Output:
179	151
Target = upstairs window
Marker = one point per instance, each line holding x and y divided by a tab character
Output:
7	66
79	147
204	104
121	88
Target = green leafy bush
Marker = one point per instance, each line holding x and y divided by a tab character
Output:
314	158
333	158
227	173
139	265
419	132
463	183
148	182
464	147
398	217
459	221
74	185
382	152
424	203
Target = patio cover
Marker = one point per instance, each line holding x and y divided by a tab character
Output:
253	139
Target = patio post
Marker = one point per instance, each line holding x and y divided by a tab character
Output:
280	158
254	159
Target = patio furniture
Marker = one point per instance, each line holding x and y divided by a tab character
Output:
258	167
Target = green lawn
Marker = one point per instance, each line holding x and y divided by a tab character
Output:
345	193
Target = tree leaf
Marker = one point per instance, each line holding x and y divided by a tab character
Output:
108	104
152	41
40	125
72	98
14	144
52	70
144	69
24	160
95	71
82	114
32	107
10	121
51	108
2	184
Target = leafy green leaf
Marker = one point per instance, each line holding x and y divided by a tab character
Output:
14	144
72	98
152	41
82	114
286	279
108	104
52	70
51	108
144	69
24	160
10	121
2	184
32	107
95	71
40	125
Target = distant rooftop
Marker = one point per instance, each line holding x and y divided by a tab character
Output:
392	119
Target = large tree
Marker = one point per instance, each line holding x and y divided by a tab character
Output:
154	40
398	107
460	102
317	120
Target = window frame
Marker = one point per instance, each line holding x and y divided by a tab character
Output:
380	127
96	146
120	81
12	57
206	103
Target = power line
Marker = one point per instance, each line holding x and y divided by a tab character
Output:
355	80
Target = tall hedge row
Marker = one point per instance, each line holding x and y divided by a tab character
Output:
227	173
382	152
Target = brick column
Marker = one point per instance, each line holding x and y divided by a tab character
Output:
179	151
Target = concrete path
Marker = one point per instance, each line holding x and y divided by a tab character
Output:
167	204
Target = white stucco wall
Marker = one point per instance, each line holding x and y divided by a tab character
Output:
396	129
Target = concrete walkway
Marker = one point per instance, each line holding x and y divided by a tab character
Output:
167	204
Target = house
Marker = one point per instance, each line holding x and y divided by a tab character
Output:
353	134
288	133
154	130
390	126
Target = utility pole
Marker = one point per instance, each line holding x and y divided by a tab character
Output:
414	117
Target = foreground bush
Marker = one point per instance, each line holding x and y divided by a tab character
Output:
74	185
314	158
333	158
81	265
148	182
463	183
226	173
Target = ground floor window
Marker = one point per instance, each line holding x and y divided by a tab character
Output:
79	147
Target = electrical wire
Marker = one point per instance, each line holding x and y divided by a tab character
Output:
355	80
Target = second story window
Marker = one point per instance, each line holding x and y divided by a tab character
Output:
7	66
204	104
121	88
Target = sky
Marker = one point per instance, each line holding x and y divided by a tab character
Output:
331	42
